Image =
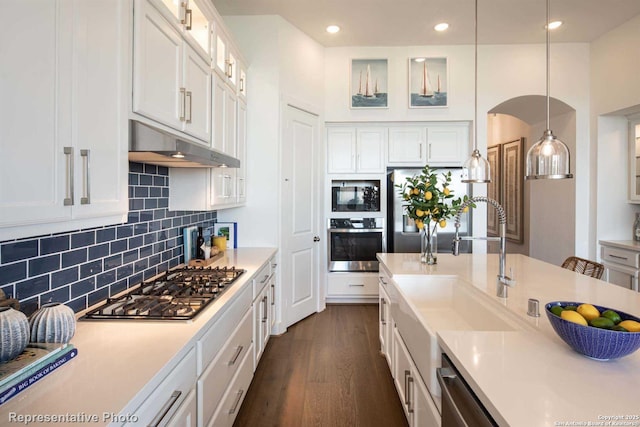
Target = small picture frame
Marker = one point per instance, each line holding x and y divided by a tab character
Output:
229	230
369	83
512	188
428	82
494	188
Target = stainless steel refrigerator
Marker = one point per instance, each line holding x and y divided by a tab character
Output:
402	235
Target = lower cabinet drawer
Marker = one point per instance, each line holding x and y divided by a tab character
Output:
621	256
234	396
217	376
352	284
163	403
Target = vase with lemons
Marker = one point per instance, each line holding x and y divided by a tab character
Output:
429	202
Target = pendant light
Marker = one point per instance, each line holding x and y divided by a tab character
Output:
476	170
549	157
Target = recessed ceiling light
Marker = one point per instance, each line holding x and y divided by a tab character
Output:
333	29
441	26
555	24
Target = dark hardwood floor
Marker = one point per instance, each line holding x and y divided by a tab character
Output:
326	370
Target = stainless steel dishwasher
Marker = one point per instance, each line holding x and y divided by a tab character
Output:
460	406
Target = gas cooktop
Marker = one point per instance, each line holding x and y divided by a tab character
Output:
179	294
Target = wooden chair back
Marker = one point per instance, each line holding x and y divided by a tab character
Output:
584	266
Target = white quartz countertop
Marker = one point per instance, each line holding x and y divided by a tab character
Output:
623	244
530	377
119	360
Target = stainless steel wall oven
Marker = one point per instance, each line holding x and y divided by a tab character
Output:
354	242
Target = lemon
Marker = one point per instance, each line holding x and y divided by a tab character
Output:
419	212
446	191
466	209
630	325
419	224
428	195
601	322
416	191
573	316
588	311
610	314
443	223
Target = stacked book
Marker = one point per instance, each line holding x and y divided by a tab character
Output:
36	361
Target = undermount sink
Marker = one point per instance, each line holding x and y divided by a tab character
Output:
427	305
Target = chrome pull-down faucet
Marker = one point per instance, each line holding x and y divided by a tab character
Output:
503	280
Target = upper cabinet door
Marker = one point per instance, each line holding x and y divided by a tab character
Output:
634	158
407	146
370	150
447	143
198	27
218	112
34	116
157	50
341	147
197	96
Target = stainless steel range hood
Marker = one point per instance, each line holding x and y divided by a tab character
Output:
151	145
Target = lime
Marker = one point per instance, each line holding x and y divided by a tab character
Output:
601	322
557	309
573	316
619	328
588	311
571	307
630	325
610	314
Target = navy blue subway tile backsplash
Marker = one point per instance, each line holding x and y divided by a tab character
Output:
84	267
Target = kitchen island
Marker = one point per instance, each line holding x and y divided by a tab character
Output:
122	363
523	373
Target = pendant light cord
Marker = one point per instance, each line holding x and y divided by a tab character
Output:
548	62
475	85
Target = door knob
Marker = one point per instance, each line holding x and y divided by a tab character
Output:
316	239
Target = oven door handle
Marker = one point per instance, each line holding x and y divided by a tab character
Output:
356	230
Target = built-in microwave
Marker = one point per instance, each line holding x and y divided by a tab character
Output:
355	195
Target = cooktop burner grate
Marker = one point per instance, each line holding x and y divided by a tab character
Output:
178	294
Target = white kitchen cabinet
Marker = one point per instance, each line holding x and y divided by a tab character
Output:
621	260
62	169
438	144
356	150
241	153
416	400
242	80
187	414
171	80
261	311
191	18
224	117
272	285
348	286
227	57
384	317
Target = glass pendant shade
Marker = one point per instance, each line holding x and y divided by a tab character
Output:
476	169
548	158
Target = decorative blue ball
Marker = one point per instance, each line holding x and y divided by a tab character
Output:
14	333
596	343
53	323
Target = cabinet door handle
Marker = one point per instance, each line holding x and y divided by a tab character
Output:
273	294
618	257
242	85
165	409
86	185
359	285
410	403
420	151
429	152
188	22
183	106
382	280
264	309
189	104
235	355
229	69
406	387
382	319
68	153
237	402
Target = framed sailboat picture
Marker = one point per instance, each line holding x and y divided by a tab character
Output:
369	83
428	82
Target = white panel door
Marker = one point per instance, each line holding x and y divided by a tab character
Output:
197	82
34	116
299	215
157	49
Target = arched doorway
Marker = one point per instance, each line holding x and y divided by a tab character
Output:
548	214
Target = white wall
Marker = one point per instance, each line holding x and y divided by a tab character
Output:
615	89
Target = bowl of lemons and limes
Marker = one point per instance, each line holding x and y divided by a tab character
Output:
597	332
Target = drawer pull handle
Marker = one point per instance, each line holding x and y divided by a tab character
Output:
356	284
382	280
236	355
618	257
382	319
406	387
264	309
410	404
237	402
166	408
273	294
264	280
